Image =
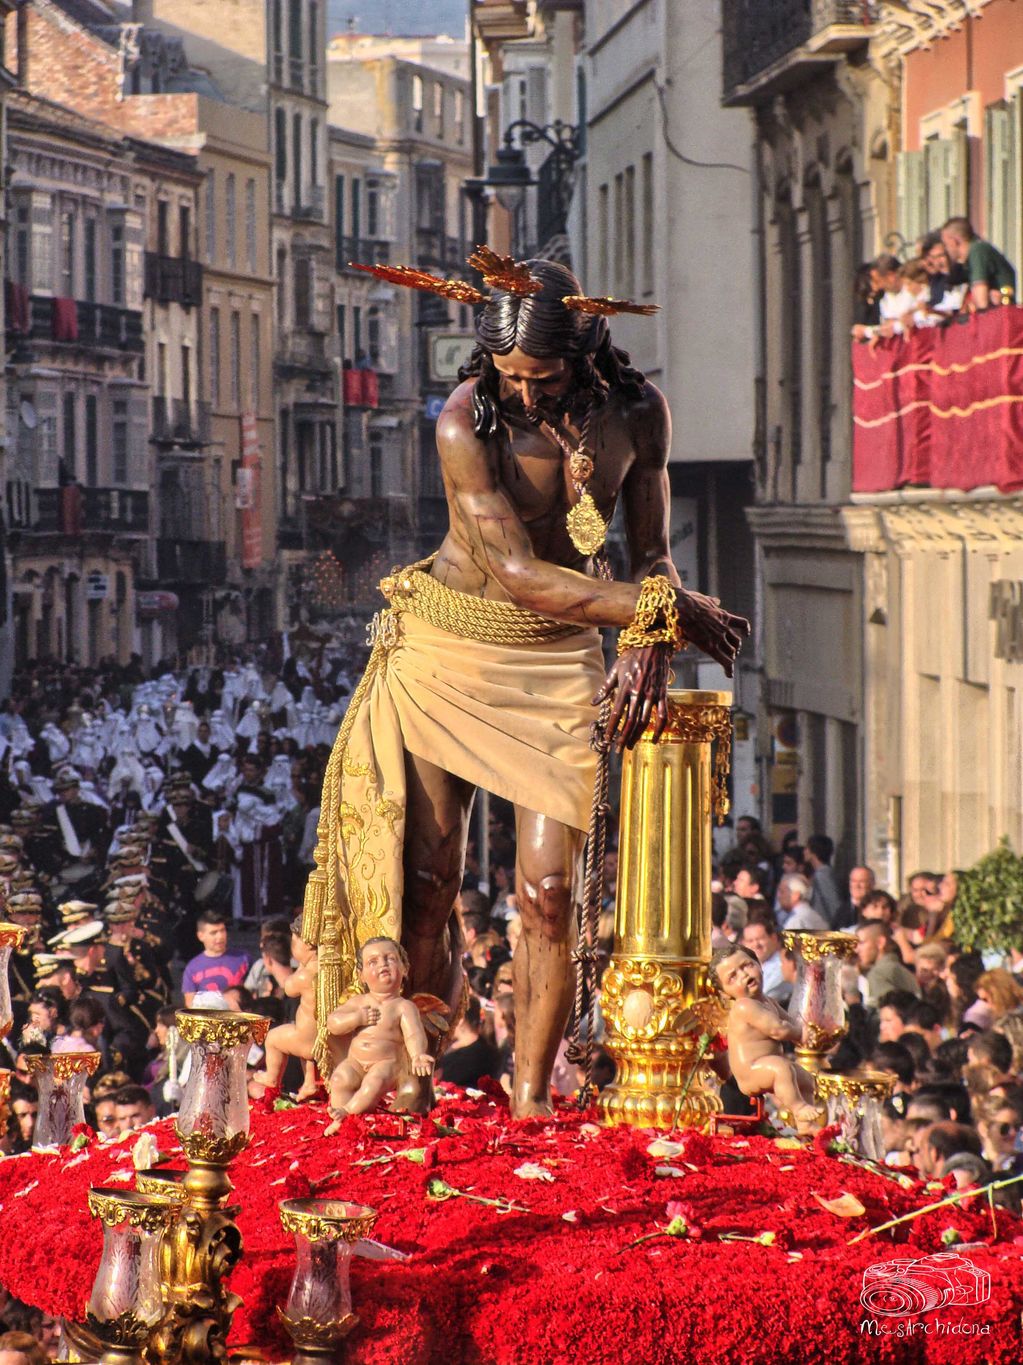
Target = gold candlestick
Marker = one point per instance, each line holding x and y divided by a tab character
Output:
817	1000
205	1244
657	1006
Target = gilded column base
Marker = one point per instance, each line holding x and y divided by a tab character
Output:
658	1033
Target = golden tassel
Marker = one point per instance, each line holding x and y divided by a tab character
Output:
328	996
314	903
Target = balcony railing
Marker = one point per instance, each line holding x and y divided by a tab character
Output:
364	250
770	45
75	510
431	244
311	204
178	422
190	561
304	351
173	279
939	409
75	322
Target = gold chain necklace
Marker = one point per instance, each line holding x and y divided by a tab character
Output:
586	527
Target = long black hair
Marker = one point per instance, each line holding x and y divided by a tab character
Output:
540	325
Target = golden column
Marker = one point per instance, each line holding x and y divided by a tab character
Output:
658	1009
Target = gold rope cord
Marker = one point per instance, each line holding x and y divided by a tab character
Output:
475	618
980	406
932	367
327	919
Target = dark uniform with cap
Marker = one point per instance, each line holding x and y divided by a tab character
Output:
89	822
127	1032
25	908
132	960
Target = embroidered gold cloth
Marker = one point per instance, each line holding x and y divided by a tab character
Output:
513	718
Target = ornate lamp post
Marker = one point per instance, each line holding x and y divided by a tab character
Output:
509	176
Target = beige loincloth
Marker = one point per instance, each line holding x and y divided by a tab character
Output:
513	718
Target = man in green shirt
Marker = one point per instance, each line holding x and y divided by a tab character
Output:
988	270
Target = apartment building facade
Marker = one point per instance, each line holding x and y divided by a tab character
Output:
889	704
419	120
79	463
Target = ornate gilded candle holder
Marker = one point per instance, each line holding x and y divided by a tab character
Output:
658	1008
817	996
854	1102
169	1185
60	1080
318	1314
126	1301
205	1243
12	936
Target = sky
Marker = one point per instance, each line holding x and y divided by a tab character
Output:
398	16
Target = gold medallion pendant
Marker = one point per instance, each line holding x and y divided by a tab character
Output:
586	527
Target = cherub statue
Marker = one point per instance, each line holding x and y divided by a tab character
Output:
295	1039
756	1029
385	1027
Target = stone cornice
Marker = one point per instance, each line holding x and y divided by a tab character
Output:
943	524
797	526
907	25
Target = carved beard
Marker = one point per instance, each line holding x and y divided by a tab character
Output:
586	387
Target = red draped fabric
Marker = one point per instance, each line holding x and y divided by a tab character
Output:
943	408
65	320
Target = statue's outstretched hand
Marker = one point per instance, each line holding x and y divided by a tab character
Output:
714	631
638	680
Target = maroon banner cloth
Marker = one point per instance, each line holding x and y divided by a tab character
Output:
942	408
16	307
352	380
370	389
978	392
72	510
65	320
876	430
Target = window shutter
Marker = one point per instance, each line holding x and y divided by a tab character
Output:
138	439
958	175
134	245
42	243
997	171
536	98
912	195
1015	154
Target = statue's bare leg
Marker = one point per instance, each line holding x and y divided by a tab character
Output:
345	1080
542	970
436	828
282	1042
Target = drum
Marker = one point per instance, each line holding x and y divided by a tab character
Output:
213	889
75	873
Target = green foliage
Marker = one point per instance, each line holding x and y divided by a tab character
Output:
988	912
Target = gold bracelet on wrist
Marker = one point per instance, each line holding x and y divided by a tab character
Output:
656	619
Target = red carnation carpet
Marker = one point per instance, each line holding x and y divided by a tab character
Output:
558	1277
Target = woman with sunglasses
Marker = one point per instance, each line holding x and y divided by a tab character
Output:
998	1123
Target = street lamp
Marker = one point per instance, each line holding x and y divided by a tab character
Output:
509	175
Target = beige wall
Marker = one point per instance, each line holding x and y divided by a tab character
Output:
943	746
691	242
235	144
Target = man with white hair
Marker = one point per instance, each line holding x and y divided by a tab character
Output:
795	907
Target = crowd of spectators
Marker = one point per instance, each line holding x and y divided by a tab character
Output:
155	837
944	1022
951	274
